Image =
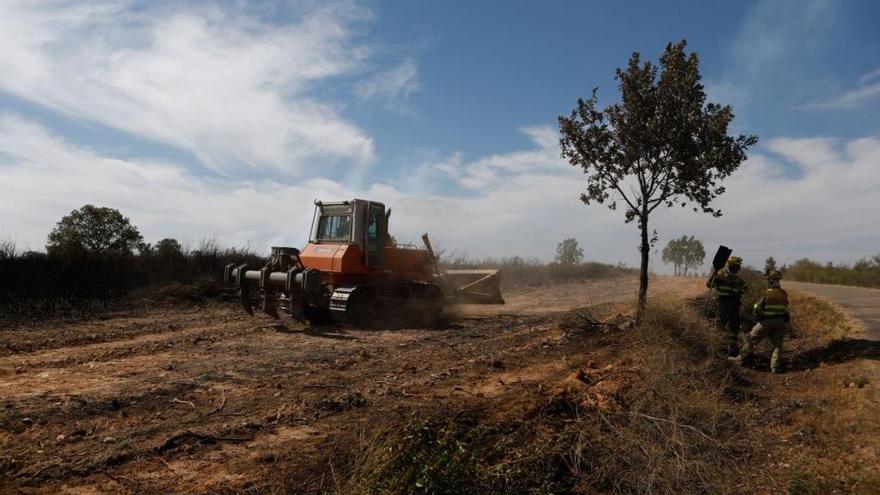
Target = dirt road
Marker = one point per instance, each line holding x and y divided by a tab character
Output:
861	303
205	398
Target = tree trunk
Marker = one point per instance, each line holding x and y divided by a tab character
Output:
643	272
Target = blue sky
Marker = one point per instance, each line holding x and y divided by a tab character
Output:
227	119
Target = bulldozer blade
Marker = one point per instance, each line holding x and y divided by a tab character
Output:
473	286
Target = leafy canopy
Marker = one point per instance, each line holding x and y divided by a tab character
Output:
684	253
568	253
662	144
94	230
168	248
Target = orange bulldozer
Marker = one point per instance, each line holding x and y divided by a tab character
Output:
353	271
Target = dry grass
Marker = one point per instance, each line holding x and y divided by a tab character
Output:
658	419
825	409
521	272
818	320
664	414
650	409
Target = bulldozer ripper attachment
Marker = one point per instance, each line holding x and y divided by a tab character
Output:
283	283
472	286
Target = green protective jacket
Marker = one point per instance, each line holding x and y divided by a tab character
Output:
772	304
729	286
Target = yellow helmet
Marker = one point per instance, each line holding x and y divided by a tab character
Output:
734	260
774	275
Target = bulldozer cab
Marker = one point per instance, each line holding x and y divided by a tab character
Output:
359	222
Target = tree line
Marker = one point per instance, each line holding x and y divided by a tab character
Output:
95	255
863	273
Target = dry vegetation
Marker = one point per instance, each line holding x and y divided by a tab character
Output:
664	415
825	410
37	285
529	272
528	400
863	273
637	421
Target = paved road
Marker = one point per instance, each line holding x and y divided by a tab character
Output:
863	304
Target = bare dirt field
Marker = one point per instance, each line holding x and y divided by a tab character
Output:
190	399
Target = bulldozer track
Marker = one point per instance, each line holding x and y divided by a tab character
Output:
387	302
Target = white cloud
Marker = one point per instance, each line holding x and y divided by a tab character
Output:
870	76
849	99
525	214
544	158
392	87
232	89
777	57
776	31
827	212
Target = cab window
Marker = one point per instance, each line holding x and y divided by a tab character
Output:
334	228
373	224
373	235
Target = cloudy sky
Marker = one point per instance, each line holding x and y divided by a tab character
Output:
227	119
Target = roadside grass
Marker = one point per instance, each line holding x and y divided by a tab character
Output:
824	410
818	321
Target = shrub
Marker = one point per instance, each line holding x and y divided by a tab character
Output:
74	282
864	273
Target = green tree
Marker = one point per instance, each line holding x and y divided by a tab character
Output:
168	248
661	145
568	253
672	254
769	264
694	254
685	253
94	230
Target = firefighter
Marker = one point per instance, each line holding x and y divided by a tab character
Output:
773	317
730	288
